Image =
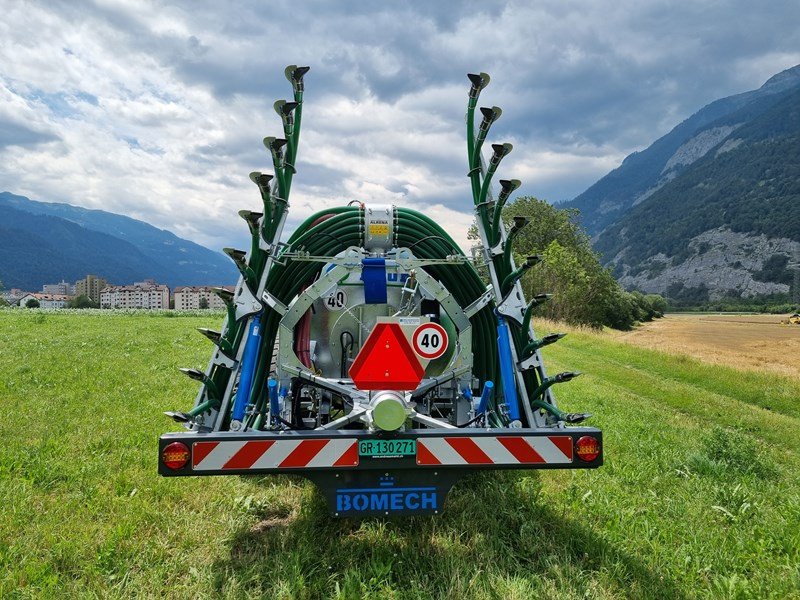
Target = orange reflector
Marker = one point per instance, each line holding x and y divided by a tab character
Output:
587	448
175	456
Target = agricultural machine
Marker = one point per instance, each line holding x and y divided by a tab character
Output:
367	354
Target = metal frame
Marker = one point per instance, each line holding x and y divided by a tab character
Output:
346	485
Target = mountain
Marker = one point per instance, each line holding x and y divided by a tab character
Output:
712	209
642	173
45	242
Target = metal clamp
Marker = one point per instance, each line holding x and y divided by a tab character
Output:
512	306
532	362
246	303
275	304
224	361
264	244
480	302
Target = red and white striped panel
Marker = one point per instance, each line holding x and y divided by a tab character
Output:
274	454
500	450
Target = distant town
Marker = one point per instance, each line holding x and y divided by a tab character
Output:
95	292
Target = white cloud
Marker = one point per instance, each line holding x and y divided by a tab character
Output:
157	111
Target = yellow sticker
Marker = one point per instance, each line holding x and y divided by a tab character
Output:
379	229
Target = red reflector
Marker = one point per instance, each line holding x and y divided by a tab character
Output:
386	361
587	448
175	456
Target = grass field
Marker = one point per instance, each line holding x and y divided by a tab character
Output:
699	496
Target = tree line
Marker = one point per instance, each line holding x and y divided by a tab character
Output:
583	291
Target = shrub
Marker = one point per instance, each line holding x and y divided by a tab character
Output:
584	292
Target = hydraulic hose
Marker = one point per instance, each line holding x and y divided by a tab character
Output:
332	231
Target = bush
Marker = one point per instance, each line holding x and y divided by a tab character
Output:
584	292
32	303
82	301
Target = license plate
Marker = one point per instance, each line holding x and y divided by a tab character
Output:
387	448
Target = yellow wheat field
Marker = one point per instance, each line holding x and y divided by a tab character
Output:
753	342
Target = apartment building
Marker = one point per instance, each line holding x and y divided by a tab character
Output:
142	294
60	289
90	287
191	297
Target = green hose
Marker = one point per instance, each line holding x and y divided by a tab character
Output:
342	228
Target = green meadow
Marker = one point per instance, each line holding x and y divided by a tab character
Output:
699	496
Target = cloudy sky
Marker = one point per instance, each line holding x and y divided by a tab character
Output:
157	110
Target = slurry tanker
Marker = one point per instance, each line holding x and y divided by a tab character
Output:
367	354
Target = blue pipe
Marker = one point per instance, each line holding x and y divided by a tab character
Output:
249	360
274	407
486	395
507	369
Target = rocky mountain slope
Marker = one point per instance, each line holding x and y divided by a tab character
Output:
712	209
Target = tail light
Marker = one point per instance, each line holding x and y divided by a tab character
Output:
176	455
587	448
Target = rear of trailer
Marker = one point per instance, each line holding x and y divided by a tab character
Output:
368	354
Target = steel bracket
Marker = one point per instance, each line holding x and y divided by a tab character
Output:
512	306
246	303
275	304
532	362
222	360
480	302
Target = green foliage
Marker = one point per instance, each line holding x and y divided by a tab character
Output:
32	303
82	301
584	292
647	307
774	269
776	304
657	303
736	451
203	303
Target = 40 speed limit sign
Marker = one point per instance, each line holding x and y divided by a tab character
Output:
429	340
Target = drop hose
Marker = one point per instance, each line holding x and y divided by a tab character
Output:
333	230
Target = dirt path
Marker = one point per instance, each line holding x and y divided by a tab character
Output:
755	342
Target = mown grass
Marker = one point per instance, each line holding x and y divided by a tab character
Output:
699	496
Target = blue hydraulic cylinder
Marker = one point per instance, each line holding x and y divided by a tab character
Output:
249	360
507	369
274	407
486	395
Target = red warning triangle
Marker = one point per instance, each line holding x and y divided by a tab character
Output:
386	361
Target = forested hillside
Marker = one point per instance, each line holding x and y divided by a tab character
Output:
44	242
710	210
749	184
641	174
